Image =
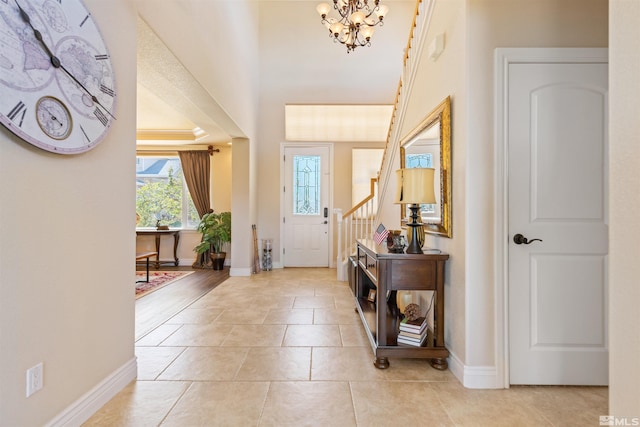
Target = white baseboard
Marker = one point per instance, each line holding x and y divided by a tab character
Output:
456	367
484	377
481	377
342	270
244	271
82	409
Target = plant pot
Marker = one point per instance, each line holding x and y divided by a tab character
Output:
218	260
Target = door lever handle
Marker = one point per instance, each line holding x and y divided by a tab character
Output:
519	239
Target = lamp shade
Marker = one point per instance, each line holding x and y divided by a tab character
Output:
415	186
382	11
357	18
336	28
367	31
323	9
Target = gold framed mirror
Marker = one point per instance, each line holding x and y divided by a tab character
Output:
429	146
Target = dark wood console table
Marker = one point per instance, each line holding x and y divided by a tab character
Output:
158	234
386	273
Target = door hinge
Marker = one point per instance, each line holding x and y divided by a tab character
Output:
284	219
282	251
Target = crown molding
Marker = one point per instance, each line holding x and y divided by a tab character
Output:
166	135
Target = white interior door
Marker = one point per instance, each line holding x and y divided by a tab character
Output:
306	206
557	192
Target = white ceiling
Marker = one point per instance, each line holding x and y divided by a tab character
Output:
165	97
154	113
171	103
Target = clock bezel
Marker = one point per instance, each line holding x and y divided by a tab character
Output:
87	128
64	107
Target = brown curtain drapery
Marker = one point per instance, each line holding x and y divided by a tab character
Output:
196	166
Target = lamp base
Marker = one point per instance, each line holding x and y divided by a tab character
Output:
414	246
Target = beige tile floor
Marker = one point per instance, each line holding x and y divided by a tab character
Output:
285	348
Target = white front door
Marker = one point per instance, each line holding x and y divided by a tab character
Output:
557	192
306	206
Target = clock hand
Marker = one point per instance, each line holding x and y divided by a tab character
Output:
93	97
54	59
25	17
53	118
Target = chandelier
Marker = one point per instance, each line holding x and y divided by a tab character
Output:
357	18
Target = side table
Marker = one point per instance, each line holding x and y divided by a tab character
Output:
386	273
158	234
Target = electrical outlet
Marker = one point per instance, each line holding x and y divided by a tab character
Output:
34	378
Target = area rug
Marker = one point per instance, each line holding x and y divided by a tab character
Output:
157	280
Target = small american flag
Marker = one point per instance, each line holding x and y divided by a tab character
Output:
380	234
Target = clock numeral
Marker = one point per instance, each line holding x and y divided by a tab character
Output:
59	1
84	20
84	132
19	110
107	90
101	116
101	57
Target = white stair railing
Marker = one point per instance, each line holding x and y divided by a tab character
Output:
357	223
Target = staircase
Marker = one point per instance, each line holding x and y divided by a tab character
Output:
359	221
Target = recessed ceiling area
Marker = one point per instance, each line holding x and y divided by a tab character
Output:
171	104
154	113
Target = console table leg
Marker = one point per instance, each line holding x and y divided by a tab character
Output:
157	263
440	364
381	363
176	239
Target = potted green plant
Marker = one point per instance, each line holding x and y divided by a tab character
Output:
216	231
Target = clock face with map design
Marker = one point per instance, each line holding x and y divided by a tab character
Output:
57	83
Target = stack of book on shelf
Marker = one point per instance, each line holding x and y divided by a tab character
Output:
413	332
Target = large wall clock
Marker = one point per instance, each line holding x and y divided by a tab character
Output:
57	86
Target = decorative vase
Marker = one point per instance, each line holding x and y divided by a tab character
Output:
218	260
403	299
395	241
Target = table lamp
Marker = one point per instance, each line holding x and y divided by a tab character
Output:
415	187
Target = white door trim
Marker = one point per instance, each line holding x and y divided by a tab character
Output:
283	146
503	58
